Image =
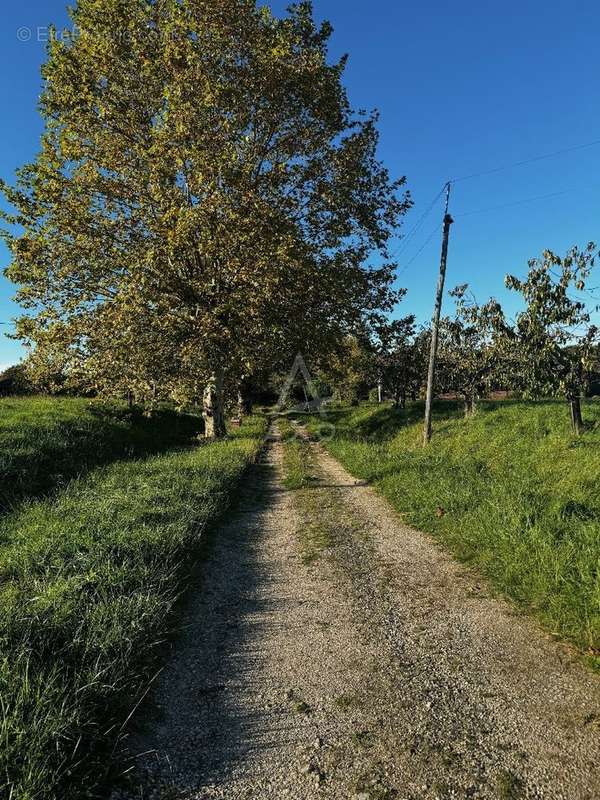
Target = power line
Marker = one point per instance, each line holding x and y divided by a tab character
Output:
515	203
410	235
416	227
419	251
527	161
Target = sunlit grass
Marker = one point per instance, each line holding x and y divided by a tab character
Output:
511	491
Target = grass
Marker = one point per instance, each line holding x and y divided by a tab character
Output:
47	441
510	491
317	533
298	464
89	580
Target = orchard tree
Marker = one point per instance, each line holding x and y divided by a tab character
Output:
472	350
399	361
555	343
352	368
204	199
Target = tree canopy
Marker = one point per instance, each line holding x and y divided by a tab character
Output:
204	200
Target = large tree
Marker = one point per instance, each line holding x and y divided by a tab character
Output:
204	198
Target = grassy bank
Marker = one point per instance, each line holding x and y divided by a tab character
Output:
88	581
47	441
511	491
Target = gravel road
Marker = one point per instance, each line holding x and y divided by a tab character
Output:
382	669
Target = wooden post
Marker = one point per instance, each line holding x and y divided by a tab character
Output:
435	321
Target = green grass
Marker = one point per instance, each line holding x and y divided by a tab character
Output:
298	464
318	531
89	580
47	441
510	491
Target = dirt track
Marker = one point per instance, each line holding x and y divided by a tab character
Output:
380	670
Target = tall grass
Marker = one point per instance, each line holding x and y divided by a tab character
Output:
89	580
511	491
47	441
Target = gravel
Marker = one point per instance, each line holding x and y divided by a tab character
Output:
381	670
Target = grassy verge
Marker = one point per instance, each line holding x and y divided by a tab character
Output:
88	583
510	491
301	474
298	463
47	441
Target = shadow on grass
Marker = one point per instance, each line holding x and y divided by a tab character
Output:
192	731
384	422
41	455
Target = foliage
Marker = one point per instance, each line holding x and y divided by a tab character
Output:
554	342
509	491
352	369
472	352
204	199
46	442
15	381
89	583
401	357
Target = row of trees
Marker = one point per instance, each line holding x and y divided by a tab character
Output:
550	349
206	203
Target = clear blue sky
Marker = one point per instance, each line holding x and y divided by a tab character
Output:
462	87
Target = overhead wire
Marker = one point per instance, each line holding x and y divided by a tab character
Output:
419	251
514	203
405	241
525	161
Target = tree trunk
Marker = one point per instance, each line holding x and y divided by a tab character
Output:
469	405
213	409
379	391
576	417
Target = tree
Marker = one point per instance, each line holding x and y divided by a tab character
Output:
399	358
204	198
352	368
554	342
471	347
15	381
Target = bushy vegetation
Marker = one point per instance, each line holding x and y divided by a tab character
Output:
47	441
89	579
510	490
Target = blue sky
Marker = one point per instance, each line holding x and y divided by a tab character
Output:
462	87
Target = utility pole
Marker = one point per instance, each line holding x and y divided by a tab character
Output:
435	321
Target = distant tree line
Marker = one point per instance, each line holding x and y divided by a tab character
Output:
551	349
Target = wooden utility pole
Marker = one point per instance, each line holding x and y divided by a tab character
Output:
435	321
